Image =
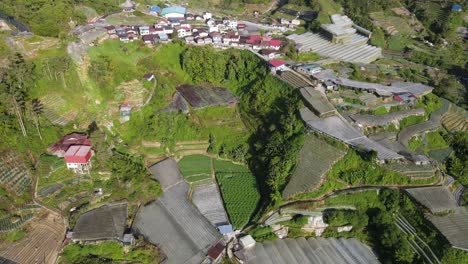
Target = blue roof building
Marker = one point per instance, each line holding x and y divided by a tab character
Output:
163	37
155	9
456	8
225	229
173	11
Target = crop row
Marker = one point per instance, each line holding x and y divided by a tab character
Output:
7	225
240	195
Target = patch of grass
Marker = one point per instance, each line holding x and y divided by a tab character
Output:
308	56
411	120
240	193
397	43
13	236
380	111
109	251
435	140
195	167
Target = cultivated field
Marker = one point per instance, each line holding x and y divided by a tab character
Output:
13	172
41	245
456	119
55	110
195	168
316	158
239	192
200	97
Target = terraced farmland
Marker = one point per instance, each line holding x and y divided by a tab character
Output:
195	168
456	119
316	158
13	173
294	80
411	170
239	192
53	107
8	224
41	245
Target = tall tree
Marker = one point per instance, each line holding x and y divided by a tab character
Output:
16	84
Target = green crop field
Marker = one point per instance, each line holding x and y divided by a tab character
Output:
195	168
239	191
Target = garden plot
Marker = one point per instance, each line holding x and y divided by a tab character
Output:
46	191
41	245
293	79
239	191
55	110
412	170
394	24
13	173
315	159
437	199
195	168
11	223
200	97
456	119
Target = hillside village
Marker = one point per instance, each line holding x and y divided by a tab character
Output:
180	159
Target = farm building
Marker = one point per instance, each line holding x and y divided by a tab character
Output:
207	199
172	222
103	223
125	110
60	147
216	252
316	101
309	69
339	40
437	199
78	159
277	65
337	127
311	250
396	87
174	12
454	226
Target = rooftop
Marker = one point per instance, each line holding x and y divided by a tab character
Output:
173	9
103	223
276	63
312	250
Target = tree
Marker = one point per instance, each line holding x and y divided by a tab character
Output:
390	199
37	109
16	84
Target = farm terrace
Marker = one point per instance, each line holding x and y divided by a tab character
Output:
200	97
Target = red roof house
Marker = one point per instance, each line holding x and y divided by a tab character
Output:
216	251
59	148
78	159
275	44
277	65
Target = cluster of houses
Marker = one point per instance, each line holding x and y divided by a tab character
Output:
174	22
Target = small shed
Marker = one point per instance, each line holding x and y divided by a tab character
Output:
149	76
247	241
216	252
155	10
457	8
